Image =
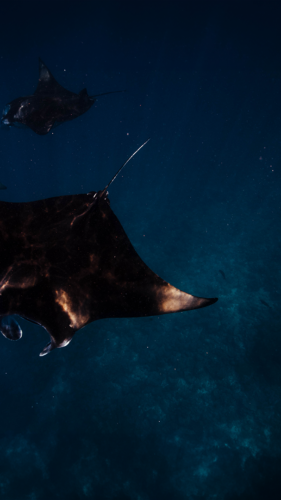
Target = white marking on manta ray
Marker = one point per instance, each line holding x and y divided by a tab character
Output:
65	343
7	280
172	299
78	319
19	113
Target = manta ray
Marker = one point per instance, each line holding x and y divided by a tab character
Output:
67	261
49	106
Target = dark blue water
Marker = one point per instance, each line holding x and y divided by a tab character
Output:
176	407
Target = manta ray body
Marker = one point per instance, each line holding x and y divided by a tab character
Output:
67	261
50	105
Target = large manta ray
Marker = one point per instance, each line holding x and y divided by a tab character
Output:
50	105
67	261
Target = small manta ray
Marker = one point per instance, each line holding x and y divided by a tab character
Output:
67	261
49	106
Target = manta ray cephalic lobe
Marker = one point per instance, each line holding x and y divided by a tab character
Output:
67	261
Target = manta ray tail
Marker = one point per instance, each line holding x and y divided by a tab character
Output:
100	194
93	97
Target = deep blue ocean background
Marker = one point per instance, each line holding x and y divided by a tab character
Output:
178	407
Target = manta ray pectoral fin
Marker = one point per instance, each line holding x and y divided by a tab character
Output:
44	73
83	93
40	128
47	81
171	299
10	328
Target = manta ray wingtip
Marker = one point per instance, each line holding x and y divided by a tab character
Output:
171	299
209	302
199	302
41	63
